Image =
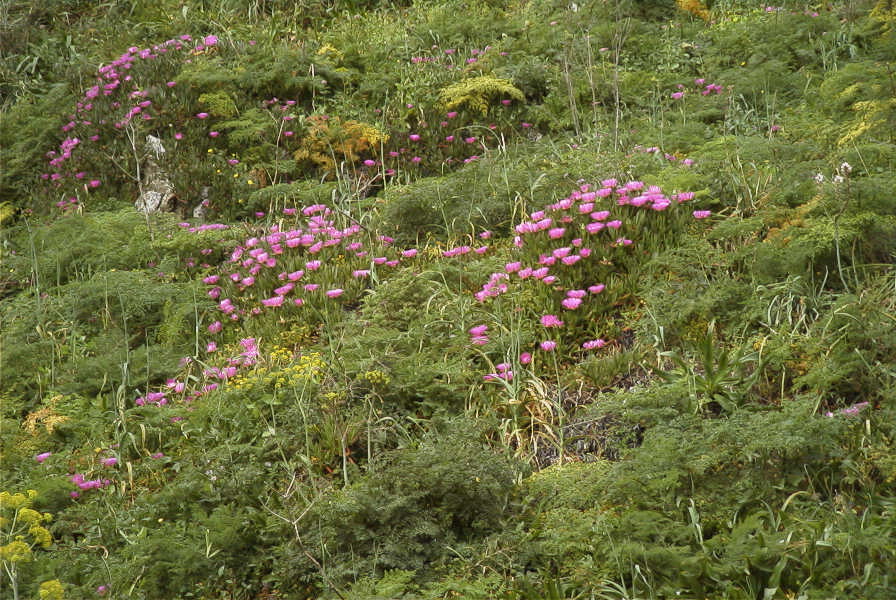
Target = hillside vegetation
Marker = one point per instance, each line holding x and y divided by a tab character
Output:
520	299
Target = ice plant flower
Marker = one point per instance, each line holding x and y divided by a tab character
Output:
334	293
273	302
215	327
592	344
43	456
548	345
571	303
702	214
551	321
479	335
109	462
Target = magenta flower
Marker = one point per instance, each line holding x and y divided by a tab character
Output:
211	347
311	287
551	321
202	115
210	40
596	289
369	163
273	302
592	344
215	327
576	293
43	456
414	137
178	136
548	345
478	330
677	95
702	214
109	462
571	303
213	134
556	232
94	183
335	293
409	253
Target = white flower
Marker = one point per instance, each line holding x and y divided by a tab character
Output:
819	178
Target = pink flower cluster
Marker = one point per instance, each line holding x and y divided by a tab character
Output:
116	88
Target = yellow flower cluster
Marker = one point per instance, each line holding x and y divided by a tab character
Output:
51	590
307	368
376	377
18	550
16	501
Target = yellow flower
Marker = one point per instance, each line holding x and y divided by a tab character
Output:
15	551
51	590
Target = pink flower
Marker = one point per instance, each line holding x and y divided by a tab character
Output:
369	163
556	232
485	235
478	330
109	462
677	95
615	224
414	137
409	253
576	293
592	344
525	358
311	287
596	289
210	40
571	303
94	183
211	347
701	214
178	136
551	321
273	302
215	327
43	456
548	345
202	115
213	134
334	293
